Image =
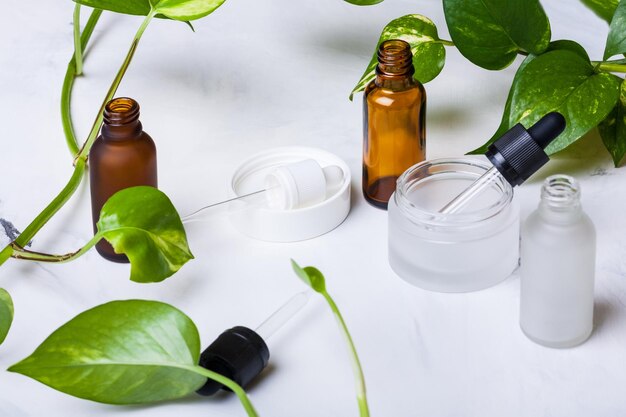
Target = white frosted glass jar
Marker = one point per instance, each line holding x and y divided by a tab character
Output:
466	251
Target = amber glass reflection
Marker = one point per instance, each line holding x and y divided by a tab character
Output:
123	156
394	111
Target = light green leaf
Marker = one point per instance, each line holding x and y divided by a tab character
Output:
505	123
6	313
616	40
311	277
183	10
186	10
491	32
613	129
603	8
122	352
142	223
364	2
562	81
132	7
420	32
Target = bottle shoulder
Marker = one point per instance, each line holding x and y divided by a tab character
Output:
386	97
548	231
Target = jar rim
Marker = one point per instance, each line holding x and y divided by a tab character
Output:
431	218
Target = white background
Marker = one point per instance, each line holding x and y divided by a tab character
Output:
260	74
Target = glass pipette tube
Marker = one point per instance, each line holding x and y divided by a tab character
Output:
281	316
476	188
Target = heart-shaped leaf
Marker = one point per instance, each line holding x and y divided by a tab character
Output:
6	313
420	32
562	81
491	32
616	40
142	223
603	8
613	128
122	352
311	277
505	123
184	10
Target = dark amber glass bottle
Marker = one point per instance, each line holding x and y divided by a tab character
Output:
394	114
123	156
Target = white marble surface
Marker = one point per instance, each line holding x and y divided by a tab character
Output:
257	75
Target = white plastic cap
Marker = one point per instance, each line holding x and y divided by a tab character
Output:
301	184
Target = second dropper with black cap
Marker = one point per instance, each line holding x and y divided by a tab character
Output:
515	156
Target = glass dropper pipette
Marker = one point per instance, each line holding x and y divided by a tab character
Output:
516	155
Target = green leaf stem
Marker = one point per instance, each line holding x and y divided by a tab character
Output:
490	33
428	51
315	279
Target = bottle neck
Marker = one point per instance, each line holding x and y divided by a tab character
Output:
395	65
121	120
560	200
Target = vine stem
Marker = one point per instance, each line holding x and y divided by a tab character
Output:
80	163
230	384
21	253
70	76
356	364
78	48
611	67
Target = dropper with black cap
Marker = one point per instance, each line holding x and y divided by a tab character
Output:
515	156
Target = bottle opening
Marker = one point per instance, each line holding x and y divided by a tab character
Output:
395	58
120	111
560	191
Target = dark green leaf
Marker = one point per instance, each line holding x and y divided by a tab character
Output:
603	8
420	32
491	32
613	129
505	123
364	2
6	314
616	41
311	277
142	223
122	352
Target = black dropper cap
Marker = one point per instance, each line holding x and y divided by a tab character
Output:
519	153
239	354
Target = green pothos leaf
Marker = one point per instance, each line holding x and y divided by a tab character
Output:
428	52
603	8
564	81
122	352
142	223
490	32
6	313
616	40
183	10
311	276
613	129
505	122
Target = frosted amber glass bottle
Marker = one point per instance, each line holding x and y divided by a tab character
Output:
394	112
122	156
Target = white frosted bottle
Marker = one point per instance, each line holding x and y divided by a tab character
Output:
557	267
